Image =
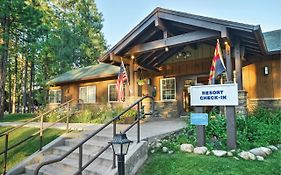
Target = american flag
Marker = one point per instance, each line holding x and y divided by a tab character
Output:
121	79
218	66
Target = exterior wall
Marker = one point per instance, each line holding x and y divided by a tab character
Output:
71	91
263	90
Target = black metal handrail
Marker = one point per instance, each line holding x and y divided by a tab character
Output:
140	115
40	132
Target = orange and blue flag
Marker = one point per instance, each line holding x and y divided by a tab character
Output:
218	66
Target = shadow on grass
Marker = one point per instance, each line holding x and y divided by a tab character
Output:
27	148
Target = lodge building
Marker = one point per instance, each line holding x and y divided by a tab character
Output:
169	51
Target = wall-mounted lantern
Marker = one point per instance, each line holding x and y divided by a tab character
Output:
266	70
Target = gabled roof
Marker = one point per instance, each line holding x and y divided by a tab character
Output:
151	29
273	41
86	73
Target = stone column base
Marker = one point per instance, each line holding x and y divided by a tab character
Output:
241	109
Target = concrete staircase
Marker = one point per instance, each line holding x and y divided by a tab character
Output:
101	166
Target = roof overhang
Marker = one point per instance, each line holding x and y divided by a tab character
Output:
171	29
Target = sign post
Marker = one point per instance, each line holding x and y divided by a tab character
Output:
217	95
200	120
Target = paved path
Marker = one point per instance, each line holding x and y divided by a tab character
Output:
149	130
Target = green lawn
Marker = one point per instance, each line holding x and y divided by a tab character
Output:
21	152
17	117
184	164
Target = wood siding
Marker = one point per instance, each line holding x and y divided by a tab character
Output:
260	86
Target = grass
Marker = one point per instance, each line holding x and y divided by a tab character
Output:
21	152
17	117
184	163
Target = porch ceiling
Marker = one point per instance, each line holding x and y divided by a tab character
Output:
174	30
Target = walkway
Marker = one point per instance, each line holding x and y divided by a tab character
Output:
149	130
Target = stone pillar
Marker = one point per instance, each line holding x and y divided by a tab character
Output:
241	109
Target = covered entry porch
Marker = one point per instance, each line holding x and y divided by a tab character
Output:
169	51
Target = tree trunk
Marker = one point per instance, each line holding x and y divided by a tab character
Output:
10	86
24	97
5	23
31	97
15	85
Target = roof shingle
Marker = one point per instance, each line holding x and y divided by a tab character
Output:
86	73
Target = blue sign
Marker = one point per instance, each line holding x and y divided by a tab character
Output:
199	119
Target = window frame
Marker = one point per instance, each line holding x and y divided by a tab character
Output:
161	89
108	92
87	94
55	97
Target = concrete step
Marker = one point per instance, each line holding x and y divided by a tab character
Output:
66	167
90	144
104	159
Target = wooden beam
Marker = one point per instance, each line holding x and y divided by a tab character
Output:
148	67
186	38
167	56
191	21
160	25
238	64
115	58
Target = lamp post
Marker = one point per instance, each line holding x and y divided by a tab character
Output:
120	145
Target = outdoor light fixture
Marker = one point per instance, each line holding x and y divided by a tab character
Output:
266	70
183	54
132	57
166	49
120	145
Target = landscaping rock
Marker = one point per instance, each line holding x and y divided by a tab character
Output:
236	158
247	155
233	150
186	147
208	153
165	149
170	152
266	150
200	150
219	153
258	152
229	154
260	158
158	145
273	148
278	146
152	151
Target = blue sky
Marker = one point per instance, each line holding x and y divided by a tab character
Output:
120	16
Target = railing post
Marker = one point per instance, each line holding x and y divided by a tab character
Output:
41	133
114	133
6	153
67	118
138	127
80	159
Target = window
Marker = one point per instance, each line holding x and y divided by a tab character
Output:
55	96
87	94
168	89
112	93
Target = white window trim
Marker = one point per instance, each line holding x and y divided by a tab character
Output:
55	91
87	94
161	97
108	93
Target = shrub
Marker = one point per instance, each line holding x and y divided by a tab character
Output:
260	128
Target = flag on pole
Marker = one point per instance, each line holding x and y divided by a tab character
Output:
218	66
121	79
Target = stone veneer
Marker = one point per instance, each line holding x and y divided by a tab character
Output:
241	109
265	103
166	109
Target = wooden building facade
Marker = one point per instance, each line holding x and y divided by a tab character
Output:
170	51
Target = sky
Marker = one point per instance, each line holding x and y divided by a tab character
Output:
121	16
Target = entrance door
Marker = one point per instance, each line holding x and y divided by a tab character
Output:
186	95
